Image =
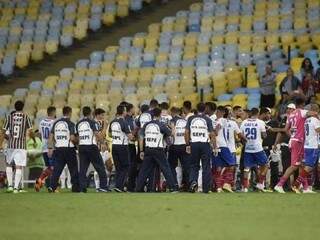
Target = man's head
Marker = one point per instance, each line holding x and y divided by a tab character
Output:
99	114
265	114
221	111
237	111
157	113
51	111
290	108
254	112
211	107
175	111
285	96
121	111
201	107
187	106
18	106
144	108
164	106
154	104
130	109
67	111
314	108
86	111
300	102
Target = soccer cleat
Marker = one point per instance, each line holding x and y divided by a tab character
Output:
219	190
15	191
279	189
295	189
38	185
245	190
194	187
261	188
22	191
102	190
308	191
117	190
227	187
9	189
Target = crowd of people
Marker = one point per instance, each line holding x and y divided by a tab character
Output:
203	148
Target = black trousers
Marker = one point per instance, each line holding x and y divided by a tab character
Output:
286	161
178	153
274	171
155	157
91	154
268	100
120	155
201	152
65	156
133	169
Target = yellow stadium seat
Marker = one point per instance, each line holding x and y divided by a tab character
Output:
51	47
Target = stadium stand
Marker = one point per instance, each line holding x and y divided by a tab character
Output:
29	29
218	47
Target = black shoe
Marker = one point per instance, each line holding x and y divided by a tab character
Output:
194	187
117	190
102	190
50	190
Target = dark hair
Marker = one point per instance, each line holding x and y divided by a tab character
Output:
66	110
51	110
144	108
156	112
86	111
99	111
201	107
164	106
300	101
187	105
254	111
18	105
124	103
264	110
237	107
121	109
154	103
211	106
175	110
303	65
129	106
221	109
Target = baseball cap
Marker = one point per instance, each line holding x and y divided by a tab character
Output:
292	106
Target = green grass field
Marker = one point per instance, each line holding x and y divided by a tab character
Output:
159	216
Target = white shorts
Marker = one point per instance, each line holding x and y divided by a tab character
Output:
17	156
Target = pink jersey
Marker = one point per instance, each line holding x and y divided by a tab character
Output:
296	122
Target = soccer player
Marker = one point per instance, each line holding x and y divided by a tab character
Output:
295	123
89	136
199	133
187	109
211	108
177	151
311	151
153	154
61	147
16	127
253	130
45	127
120	133
224	162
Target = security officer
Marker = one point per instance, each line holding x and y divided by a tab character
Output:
153	153
120	133
62	139
88	132
177	151
199	132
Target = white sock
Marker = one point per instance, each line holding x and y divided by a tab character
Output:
96	179
17	178
69	185
9	176
63	179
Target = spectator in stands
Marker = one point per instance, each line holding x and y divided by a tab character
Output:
306	67
317	74
290	84
282	107
309	86
34	153
267	85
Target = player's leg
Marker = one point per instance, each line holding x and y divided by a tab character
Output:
217	167
99	166
228	173
133	169
145	171
262	161
206	168
63	178
72	163
58	167
46	173
20	159
68	182
173	161
9	174
185	165
248	163
84	161
121	161
194	166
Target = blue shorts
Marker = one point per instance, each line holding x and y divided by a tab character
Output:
47	161
254	159
310	157
224	158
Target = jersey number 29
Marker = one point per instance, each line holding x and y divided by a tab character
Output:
251	133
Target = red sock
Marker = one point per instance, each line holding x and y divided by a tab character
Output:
261	179
310	178
218	178
245	182
46	173
228	176
302	179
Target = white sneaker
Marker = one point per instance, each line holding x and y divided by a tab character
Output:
308	191
219	190
15	191
245	190
9	189
260	187
279	189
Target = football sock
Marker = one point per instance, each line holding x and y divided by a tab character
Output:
9	176
218	179
245	182
96	179
17	178
282	181
46	173
302	179
228	176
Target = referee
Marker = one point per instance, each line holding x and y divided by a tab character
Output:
88	131
199	132
62	139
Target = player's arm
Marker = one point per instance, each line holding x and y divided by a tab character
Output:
212	134
126	130
141	143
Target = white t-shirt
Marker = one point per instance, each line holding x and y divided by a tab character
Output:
311	136
221	124
252	129
180	128
231	129
45	127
